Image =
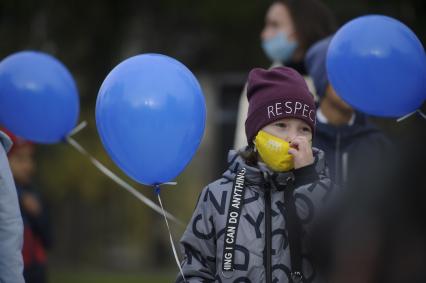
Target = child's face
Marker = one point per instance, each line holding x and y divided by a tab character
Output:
278	19
289	128
336	100
22	164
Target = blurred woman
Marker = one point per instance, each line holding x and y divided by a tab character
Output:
291	27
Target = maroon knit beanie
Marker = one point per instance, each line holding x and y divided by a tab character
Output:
276	94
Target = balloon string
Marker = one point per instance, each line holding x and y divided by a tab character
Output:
157	191
421	114
411	114
121	182
77	129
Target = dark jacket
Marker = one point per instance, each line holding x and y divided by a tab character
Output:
262	223
37	238
350	149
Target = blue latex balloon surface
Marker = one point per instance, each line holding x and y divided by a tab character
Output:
378	65
38	97
150	114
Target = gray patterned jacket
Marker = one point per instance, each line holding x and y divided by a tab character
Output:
203	240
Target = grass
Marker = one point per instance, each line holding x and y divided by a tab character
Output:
106	277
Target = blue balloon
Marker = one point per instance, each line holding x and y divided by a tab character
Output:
38	97
150	115
378	65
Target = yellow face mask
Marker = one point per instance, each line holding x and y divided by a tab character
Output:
274	152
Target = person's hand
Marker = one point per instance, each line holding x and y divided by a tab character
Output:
301	150
31	204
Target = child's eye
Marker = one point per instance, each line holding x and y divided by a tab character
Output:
280	124
306	129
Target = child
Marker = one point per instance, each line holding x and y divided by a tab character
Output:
351	143
248	225
34	214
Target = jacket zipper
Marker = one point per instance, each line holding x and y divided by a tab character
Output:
344	167
268	234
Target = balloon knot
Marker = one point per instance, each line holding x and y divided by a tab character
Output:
157	189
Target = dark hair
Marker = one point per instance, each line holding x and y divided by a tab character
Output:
249	155
312	19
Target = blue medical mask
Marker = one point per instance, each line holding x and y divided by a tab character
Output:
279	48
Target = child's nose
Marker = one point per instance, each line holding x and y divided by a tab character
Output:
291	134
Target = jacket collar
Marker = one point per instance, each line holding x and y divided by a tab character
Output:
256	176
360	127
322	119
